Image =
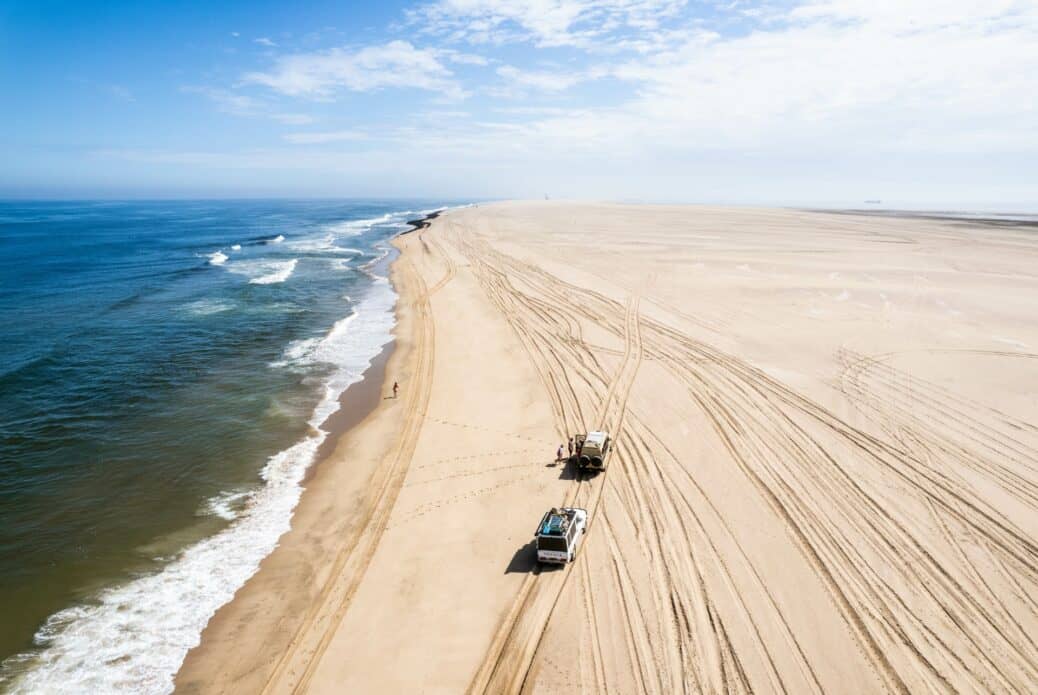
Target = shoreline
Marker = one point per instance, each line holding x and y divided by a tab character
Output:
355	404
360	399
345	464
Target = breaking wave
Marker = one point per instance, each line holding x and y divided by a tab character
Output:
282	270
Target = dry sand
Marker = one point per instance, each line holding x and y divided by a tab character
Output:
825	479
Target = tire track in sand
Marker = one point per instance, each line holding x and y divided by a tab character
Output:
942	608
300	660
511	653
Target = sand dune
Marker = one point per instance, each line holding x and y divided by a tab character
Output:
825	478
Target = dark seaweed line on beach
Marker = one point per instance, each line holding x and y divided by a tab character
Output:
422	222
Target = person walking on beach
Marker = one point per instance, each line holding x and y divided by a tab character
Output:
571	446
396	387
558	454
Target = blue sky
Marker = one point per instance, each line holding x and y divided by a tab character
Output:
927	102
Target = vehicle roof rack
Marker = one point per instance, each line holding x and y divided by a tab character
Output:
556	523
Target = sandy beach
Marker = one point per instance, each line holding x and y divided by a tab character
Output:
825	476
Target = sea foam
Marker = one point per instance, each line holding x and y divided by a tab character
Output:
357	227
264	272
206	307
322	244
227	505
282	270
134	637
217	258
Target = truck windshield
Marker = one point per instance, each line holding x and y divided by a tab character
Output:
552	543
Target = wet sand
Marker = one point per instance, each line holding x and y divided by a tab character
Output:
825	477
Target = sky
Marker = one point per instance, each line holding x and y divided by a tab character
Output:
913	102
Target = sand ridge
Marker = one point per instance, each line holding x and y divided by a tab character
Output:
824	479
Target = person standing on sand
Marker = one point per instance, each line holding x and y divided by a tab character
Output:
571	446
396	387
558	454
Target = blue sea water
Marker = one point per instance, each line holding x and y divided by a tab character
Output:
165	369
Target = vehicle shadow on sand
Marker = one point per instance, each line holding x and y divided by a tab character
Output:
569	471
572	471
525	561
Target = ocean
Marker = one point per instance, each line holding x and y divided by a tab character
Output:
166	369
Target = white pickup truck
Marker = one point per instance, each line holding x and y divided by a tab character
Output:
559	534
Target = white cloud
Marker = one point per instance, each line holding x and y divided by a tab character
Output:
840	77
920	15
464	58
545	22
519	82
264	41
395	64
944	75
322	138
